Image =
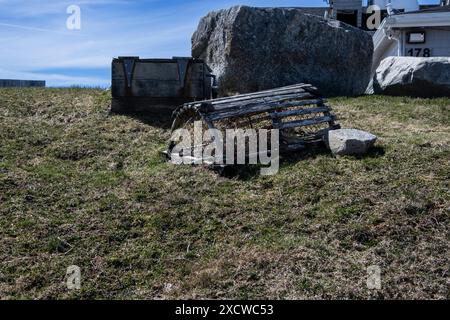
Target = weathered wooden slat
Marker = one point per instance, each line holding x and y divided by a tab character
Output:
280	93
265	92
298	112
295	99
231	101
240	105
302	123
257	108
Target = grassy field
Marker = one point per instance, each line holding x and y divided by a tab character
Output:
79	186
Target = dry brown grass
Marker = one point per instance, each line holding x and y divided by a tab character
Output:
80	186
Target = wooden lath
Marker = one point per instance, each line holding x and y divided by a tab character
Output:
288	108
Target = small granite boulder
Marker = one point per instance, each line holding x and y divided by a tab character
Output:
350	141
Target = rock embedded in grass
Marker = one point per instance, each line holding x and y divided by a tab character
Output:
350	141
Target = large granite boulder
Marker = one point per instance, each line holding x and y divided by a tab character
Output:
252	49
410	76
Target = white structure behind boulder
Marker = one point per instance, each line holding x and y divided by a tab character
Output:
423	33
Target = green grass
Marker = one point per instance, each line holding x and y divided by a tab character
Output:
80	186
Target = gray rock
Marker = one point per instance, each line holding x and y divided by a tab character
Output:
252	49
411	76
350	141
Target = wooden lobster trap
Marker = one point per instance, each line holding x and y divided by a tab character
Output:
298	112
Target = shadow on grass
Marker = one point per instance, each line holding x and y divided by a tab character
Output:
374	152
311	152
249	172
239	172
157	118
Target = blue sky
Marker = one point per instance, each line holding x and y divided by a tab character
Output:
36	44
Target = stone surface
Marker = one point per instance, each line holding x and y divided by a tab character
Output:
410	76
252	49
350	141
